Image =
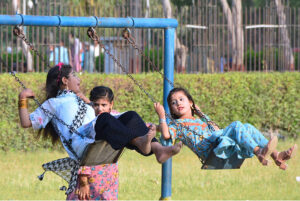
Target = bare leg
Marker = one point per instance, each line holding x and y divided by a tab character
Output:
263	153
163	153
143	143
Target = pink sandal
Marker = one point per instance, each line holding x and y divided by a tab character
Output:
262	153
281	157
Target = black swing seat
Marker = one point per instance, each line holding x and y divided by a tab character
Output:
214	163
98	153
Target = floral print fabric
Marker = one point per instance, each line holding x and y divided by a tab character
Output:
103	180
236	138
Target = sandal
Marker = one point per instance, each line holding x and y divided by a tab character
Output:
281	157
262	153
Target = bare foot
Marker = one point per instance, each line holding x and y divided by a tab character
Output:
263	153
143	143
280	158
163	153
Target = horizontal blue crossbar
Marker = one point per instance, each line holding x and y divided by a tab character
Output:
92	21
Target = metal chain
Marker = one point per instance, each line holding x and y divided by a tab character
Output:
19	33
127	36
93	35
51	115
48	113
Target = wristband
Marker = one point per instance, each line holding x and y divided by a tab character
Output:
23	103
162	121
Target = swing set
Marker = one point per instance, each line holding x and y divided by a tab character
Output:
101	152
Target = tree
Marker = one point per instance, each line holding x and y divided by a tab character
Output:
180	49
235	27
25	48
288	53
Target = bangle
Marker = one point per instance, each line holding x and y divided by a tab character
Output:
162	121
83	183
23	103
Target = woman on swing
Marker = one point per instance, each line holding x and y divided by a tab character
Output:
127	130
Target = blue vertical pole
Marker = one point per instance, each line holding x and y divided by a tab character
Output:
166	182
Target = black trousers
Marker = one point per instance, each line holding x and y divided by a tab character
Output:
120	132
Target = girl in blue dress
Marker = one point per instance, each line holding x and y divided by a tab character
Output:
202	135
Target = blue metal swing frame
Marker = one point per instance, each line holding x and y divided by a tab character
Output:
169	26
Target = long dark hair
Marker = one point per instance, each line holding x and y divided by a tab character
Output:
53	84
186	93
100	92
54	79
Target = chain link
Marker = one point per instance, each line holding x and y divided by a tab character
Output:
47	112
51	115
19	33
93	35
127	36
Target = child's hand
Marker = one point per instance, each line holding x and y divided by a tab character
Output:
85	99
159	109
84	188
26	93
197	111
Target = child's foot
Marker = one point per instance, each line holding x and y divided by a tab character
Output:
143	143
167	152
281	157
266	151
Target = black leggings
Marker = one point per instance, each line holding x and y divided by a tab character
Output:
120	132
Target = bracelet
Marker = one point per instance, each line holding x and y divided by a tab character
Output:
83	183
23	103
162	121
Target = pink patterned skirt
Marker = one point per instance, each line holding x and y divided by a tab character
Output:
104	182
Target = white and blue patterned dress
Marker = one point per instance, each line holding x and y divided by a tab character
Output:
65	107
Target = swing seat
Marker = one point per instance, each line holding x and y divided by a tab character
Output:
100	152
214	163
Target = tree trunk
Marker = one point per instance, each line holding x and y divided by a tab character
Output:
239	34
231	29
180	49
235	27
288	53
147	15
25	48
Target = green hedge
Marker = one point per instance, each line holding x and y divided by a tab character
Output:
266	100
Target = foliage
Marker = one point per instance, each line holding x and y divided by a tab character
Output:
12	59
268	101
99	64
181	3
256	59
154	55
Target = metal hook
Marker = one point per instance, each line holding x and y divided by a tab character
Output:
22	19
97	21
17	31
91	33
59	19
126	33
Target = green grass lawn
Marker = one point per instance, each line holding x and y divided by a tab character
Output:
140	178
